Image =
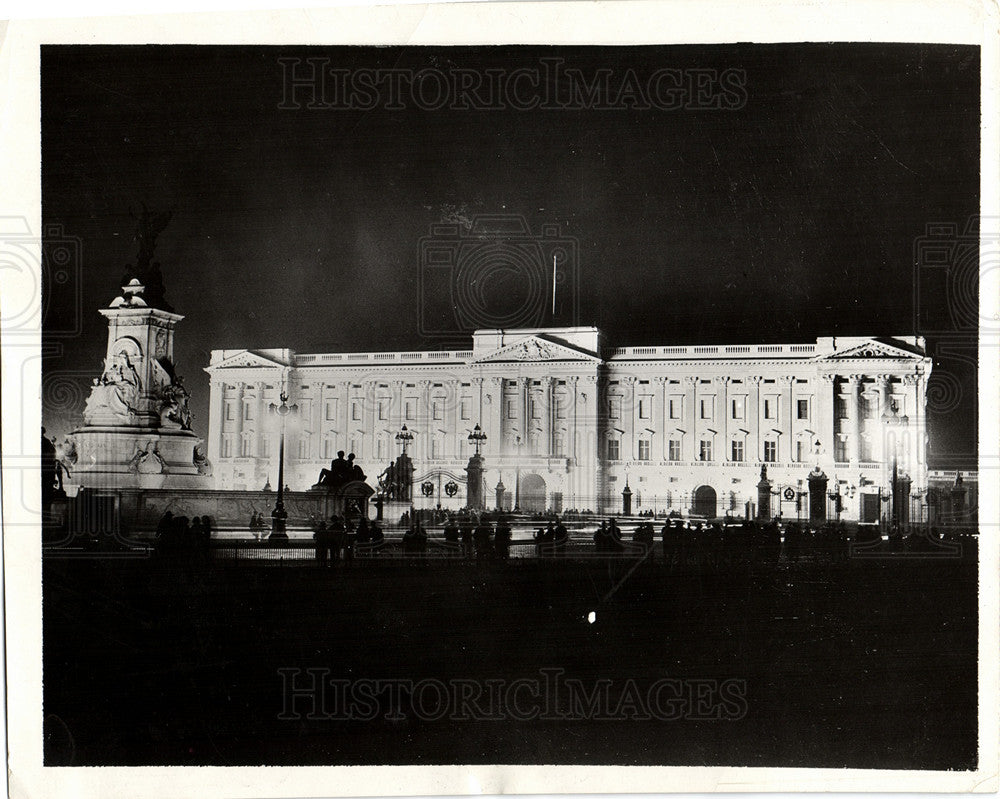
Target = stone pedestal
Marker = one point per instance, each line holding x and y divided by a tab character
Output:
764	496
474	483
115	457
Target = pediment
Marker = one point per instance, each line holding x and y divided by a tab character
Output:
537	348
874	350
246	360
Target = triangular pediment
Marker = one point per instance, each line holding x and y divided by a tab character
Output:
537	348
246	360
874	350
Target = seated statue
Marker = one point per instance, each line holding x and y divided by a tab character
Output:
338	473
356	474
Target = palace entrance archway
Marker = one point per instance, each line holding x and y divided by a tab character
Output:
532	493
705	502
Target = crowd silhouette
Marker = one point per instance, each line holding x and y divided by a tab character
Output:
481	537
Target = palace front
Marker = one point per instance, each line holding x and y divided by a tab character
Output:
569	422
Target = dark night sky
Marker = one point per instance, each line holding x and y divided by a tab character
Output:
792	217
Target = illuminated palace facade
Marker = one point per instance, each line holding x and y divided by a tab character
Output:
569	423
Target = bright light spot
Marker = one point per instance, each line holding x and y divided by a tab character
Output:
591	617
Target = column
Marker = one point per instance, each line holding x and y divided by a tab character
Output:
786	450
825	424
629	402
217	400
753	448
854	424
259	421
913	430
547	415
238	436
722	408
425	424
572	429
884	383
660	421
492	409
689	448
920	417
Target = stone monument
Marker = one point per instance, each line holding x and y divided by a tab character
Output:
136	423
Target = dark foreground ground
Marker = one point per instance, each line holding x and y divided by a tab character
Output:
863	663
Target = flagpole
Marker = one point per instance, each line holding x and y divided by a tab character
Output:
553	286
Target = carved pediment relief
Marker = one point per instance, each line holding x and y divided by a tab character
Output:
873	350
536	348
245	360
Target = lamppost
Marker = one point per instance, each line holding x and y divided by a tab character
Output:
477	437
405	437
474	471
404	467
279	515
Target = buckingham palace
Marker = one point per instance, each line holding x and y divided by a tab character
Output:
570	423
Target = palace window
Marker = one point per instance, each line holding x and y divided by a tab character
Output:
356	411
674	450
839	449
614	449
676	407
536	408
869	407
645	404
561	401
437	448
707	405
381	448
802	408
771	408
615	407
383	409
247	411
643	449
408	409
737	451
840	407
331	410
465	408
770	451
229	411
227	447
246	447
265	446
437	409
800	451
559	446
511	409
329	448
866	449
739	407
704	450
304	447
